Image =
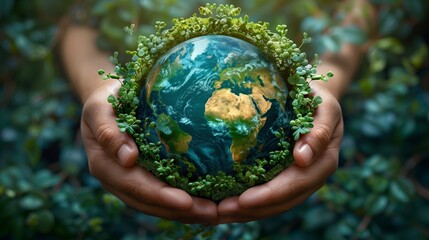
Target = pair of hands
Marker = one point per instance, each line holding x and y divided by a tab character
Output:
112	156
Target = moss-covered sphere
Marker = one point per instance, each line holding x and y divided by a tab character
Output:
216	100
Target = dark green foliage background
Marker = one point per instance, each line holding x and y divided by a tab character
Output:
380	191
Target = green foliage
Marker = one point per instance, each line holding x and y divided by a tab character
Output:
217	20
379	191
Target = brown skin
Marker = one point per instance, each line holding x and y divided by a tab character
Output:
112	155
316	153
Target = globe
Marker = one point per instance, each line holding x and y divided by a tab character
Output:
216	101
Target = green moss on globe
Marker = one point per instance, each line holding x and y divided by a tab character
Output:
216	102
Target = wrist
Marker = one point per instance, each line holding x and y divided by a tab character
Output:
330	87
82	59
88	82
100	91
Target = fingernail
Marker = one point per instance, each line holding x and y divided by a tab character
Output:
124	154
306	154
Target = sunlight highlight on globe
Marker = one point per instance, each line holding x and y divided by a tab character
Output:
216	100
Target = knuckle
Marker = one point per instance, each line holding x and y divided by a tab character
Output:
135	190
105	134
322	134
297	188
333	106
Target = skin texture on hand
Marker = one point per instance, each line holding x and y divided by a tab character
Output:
112	156
316	158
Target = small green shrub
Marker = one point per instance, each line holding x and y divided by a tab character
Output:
379	192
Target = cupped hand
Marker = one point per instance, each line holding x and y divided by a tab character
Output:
112	156
316	158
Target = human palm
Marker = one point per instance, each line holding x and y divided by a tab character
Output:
112	156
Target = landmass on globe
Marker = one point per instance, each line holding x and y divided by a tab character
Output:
216	102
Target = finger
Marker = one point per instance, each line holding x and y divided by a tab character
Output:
202	211
230	210
99	121
293	181
136	182
327	125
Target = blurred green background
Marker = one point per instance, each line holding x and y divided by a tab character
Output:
380	191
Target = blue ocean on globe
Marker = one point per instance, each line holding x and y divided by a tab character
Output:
216	100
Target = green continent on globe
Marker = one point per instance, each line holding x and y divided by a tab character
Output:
216	100
174	138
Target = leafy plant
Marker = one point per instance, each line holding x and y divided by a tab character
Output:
379	191
218	20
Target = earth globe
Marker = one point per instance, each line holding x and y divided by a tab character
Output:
217	101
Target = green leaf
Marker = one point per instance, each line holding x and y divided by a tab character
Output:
400	190
378	184
390	44
318	217
72	160
314	24
389	20
41	221
329	43
32	201
419	56
377	60
375	204
33	150
352	34
45	179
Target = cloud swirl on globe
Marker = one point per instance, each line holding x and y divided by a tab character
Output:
216	100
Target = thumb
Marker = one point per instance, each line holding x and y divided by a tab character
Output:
119	145
327	128
99	122
310	145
